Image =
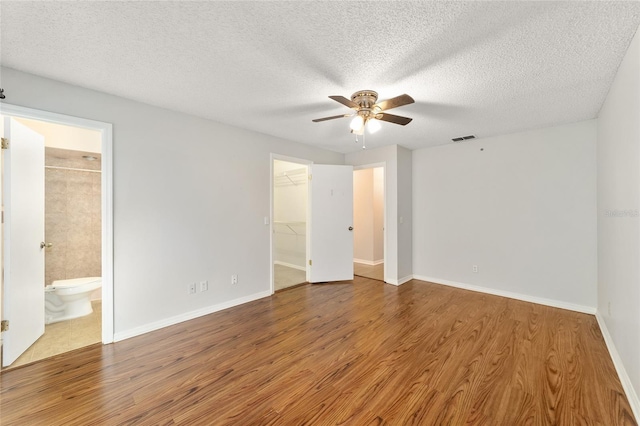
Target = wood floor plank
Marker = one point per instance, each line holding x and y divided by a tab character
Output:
349	353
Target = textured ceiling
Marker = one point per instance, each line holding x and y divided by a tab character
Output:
482	68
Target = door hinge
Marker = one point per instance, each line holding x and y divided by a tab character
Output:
5	143
5	325
310	176
310	262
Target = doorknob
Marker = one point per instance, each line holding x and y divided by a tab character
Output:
47	245
351	228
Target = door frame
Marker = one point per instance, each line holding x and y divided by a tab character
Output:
303	162
382	164
106	132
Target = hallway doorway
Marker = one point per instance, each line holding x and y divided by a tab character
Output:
368	220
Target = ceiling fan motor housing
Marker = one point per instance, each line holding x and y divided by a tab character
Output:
365	99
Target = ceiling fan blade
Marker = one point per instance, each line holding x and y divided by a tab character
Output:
395	119
317	120
395	102
345	101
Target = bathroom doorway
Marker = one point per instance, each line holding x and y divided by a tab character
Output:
369	221
75	236
289	243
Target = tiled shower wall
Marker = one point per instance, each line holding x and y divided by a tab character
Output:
72	215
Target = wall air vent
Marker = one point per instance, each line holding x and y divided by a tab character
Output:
463	138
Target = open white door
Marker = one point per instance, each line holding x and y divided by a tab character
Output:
331	217
23	299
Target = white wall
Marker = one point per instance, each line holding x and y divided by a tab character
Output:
190	196
618	221
523	209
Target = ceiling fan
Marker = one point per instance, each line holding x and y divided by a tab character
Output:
368	112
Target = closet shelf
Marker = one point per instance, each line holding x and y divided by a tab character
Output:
289	225
291	177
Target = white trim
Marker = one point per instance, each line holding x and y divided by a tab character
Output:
106	132
72	169
370	166
510	295
122	335
290	265
368	262
400	281
632	396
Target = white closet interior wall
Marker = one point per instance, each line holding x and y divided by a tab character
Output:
290	214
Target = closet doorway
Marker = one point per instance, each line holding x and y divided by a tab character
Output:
368	221
289	243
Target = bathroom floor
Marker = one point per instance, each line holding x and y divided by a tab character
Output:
65	336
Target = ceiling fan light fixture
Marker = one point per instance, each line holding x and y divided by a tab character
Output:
357	123
373	125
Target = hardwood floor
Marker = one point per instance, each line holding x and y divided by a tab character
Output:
349	353
375	272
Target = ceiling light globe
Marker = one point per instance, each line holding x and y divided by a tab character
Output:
373	125
357	123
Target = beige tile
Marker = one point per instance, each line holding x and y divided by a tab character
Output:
79	203
96	181
96	223
96	203
54	274
55	256
55	202
76	176
56	222
69	158
79	190
78	256
79	239
55	180
78	221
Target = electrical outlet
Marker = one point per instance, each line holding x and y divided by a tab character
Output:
192	288
475	268
234	279
204	285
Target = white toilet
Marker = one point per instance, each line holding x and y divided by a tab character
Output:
68	299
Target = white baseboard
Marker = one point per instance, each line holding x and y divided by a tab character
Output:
400	281
290	265
368	262
510	295
122	335
632	396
